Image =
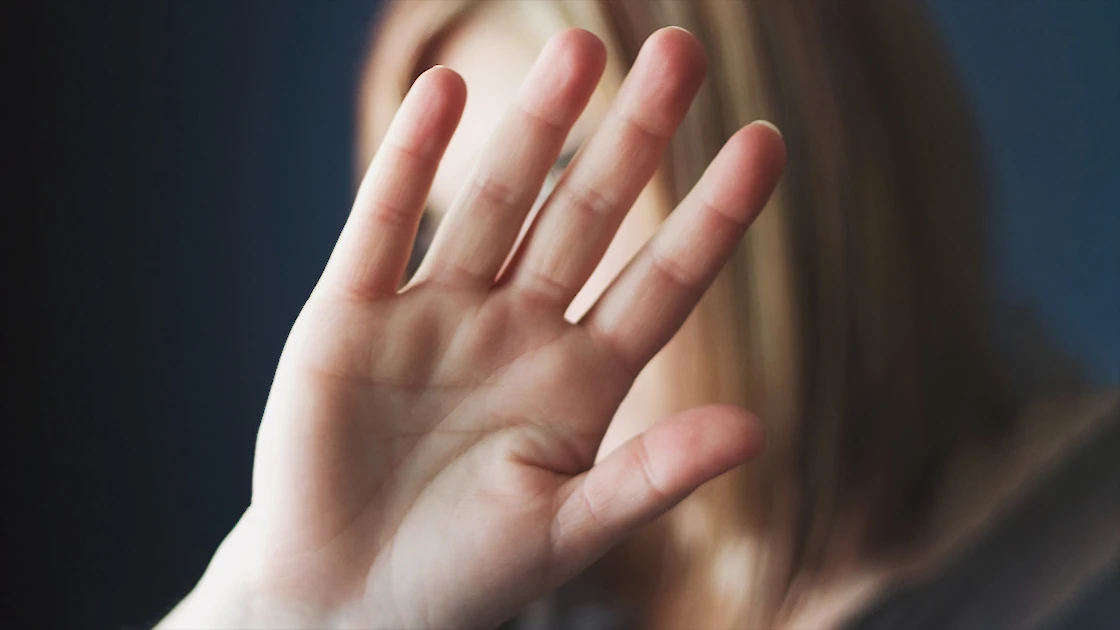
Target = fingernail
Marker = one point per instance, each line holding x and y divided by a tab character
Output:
767	123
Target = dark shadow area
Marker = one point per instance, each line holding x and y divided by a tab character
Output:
180	172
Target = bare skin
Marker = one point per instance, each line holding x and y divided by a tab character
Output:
427	455
493	50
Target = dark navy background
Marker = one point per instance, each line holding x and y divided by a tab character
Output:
178	172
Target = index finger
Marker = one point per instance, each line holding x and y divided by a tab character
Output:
372	252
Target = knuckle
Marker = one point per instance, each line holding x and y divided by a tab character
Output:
392	215
723	217
647	132
494	191
673	271
416	157
532	114
539	287
589	200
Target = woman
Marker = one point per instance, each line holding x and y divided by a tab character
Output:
440	456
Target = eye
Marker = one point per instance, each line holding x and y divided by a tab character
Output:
554	176
550	182
423	241
563	161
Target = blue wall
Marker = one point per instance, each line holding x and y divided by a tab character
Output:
1044	83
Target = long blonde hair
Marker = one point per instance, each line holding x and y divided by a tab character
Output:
853	319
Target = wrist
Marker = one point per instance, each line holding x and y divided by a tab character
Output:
231	594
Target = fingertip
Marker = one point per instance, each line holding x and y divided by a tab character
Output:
748	169
564	76
430	112
701	443
681	52
765	137
768	125
734	427
582	44
664	79
444	82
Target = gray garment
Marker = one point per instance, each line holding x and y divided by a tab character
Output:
1049	564
577	605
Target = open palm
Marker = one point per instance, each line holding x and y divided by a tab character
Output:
427	455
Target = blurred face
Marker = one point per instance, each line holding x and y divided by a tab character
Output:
493	51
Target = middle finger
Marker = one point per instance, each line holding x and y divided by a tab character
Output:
581	216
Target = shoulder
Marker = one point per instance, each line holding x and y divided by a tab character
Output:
1051	544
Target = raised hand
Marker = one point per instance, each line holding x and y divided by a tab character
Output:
426	457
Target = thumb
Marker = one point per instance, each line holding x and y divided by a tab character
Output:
646	476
